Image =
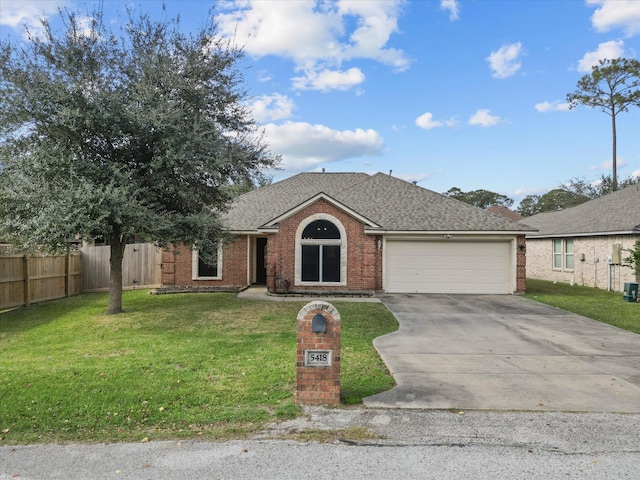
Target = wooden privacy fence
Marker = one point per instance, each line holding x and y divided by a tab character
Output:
26	279
140	267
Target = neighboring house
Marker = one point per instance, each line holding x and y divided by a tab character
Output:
358	233
505	212
586	244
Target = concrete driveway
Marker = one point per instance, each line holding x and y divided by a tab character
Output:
503	352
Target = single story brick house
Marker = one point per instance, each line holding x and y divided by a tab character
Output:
586	244
355	232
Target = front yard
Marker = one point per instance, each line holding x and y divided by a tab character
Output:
173	366
206	366
606	307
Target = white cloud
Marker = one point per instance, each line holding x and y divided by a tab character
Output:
304	146
611	49
612	14
264	76
376	22
608	164
314	34
505	62
523	192
294	30
426	121
635	174
556	106
452	7
413	177
18	13
272	107
483	118
327	80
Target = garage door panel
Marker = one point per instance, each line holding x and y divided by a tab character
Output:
448	267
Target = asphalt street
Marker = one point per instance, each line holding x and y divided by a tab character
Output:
409	444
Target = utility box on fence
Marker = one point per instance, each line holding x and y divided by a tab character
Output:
318	354
630	292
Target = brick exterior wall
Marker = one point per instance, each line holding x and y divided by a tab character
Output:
586	272
177	266
364	260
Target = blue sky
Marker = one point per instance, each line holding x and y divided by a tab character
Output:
449	93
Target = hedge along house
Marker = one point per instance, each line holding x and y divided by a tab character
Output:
586	244
359	233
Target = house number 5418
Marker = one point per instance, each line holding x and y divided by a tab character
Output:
317	358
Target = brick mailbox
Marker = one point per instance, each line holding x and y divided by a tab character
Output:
318	354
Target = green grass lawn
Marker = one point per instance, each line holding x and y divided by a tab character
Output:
606	307
172	366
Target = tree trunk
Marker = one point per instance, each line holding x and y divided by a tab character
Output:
614	177
118	245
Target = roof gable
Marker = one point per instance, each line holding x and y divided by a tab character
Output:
257	207
615	213
387	202
314	199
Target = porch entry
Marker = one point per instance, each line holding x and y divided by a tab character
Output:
261	261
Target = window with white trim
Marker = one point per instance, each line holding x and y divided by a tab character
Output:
321	245
205	267
563	258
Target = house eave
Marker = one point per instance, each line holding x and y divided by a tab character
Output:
242	232
583	234
273	229
449	233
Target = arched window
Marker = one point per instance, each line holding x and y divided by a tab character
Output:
321	256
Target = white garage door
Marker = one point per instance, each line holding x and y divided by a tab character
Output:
448	267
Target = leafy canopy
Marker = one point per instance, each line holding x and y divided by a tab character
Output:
569	194
138	131
612	86
479	198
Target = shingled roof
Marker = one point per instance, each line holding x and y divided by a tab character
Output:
615	213
388	202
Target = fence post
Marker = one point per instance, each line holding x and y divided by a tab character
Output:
27	281
67	275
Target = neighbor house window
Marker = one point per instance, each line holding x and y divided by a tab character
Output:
563	254
321	245
206	267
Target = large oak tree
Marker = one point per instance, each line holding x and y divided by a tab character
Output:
112	133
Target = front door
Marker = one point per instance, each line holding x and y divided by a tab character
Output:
261	261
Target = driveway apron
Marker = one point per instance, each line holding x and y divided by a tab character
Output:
501	352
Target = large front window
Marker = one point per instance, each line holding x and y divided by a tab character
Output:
206	266
563	257
321	256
